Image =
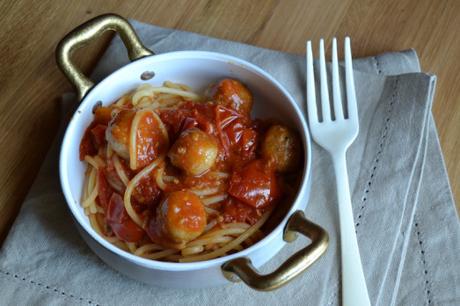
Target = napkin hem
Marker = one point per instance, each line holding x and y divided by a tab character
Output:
44	288
423	146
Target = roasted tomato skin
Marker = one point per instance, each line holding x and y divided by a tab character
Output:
92	140
104	190
103	115
120	222
255	184
147	193
237	136
236	211
189	115
233	94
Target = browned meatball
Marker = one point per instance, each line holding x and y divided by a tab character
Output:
181	217
281	146
194	152
233	94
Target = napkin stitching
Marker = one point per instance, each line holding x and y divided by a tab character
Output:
333	295
379	153
48	287
423	258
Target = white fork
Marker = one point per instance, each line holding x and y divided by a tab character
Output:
336	136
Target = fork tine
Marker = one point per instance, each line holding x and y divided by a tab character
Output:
351	94
311	94
337	95
325	105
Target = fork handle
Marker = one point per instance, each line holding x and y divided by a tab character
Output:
354	290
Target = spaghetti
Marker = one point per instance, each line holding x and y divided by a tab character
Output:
175	176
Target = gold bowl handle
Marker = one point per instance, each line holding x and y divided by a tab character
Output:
83	34
296	264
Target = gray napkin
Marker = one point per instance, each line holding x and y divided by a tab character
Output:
407	226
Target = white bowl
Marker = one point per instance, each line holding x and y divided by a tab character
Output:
196	69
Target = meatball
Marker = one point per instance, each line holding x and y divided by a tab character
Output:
281	146
194	152
181	217
233	94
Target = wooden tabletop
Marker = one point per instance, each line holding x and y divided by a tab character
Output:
30	83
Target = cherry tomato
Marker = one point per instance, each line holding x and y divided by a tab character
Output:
227	122
103	115
247	144
104	191
255	184
98	136
173	120
233	94
146	192
92	140
235	211
238	138
189	115
203	113
120	222
86	145
188	123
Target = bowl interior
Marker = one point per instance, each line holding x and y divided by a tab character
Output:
193	68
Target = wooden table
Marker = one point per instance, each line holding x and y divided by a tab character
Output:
30	83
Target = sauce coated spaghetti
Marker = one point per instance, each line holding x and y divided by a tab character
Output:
176	176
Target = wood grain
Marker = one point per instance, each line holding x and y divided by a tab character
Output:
31	84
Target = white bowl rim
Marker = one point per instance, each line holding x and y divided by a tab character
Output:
173	266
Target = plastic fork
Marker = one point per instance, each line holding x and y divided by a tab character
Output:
335	135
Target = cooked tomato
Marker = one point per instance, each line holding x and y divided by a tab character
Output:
233	94
189	115
188	123
173	120
146	192
120	222
103	115
203	113
86	145
104	191
247	144
150	141
255	184
235	133
235	211
98	136
227	122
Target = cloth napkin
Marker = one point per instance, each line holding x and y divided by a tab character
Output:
406	222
